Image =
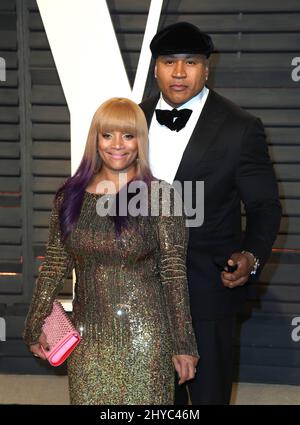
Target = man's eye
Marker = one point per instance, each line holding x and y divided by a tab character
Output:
190	62
169	62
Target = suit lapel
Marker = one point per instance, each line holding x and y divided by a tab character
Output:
202	137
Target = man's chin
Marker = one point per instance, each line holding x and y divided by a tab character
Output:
177	101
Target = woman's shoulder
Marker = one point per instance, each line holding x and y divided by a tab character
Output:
162	187
60	195
159	189
166	197
159	184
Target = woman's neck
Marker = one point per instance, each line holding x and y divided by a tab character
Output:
116	179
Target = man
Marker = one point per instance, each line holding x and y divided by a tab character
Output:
225	147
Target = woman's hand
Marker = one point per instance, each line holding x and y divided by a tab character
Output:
36	349
185	366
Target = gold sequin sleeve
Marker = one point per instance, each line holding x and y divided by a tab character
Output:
173	238
55	268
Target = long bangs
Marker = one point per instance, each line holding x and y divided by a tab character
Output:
118	116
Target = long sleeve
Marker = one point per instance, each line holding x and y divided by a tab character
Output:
173	237
258	190
55	268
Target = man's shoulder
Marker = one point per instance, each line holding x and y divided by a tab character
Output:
149	102
148	106
231	108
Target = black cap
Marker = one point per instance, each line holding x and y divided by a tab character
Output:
181	37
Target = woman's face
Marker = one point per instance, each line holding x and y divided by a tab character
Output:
118	150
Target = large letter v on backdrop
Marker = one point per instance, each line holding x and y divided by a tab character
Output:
89	61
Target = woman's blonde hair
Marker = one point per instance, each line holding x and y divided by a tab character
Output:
118	114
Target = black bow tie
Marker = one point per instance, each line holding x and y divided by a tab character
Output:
174	120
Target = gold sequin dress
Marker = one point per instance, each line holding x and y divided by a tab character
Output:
131	305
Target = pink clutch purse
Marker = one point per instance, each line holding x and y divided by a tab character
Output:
61	335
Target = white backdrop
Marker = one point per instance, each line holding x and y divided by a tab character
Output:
88	59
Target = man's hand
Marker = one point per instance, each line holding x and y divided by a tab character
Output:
245	263
185	366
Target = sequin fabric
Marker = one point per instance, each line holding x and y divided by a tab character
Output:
131	305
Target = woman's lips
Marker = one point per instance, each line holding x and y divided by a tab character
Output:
117	155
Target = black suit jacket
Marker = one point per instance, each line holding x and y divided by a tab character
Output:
228	151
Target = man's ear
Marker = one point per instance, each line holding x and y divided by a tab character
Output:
206	69
155	71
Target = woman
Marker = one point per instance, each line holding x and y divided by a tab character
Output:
131	301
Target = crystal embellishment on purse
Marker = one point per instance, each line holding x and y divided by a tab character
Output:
61	335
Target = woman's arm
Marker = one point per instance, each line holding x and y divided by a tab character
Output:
55	268
173	237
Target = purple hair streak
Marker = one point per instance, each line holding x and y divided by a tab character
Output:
72	192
